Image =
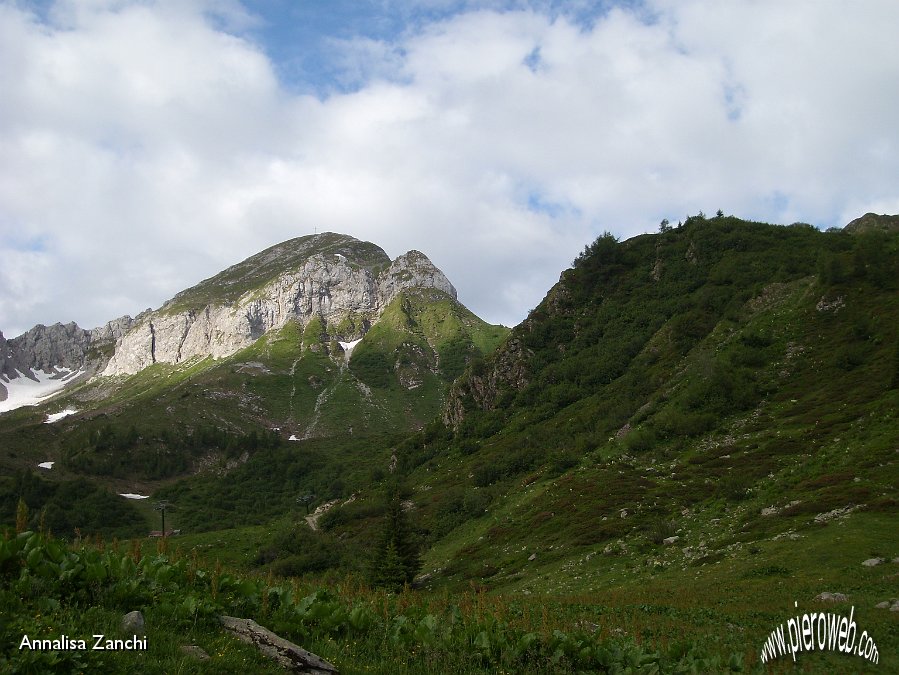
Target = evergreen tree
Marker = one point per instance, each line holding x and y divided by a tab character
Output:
395	558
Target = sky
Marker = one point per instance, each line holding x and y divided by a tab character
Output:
147	144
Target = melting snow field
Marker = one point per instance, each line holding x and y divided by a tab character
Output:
55	417
24	390
131	495
46	465
348	346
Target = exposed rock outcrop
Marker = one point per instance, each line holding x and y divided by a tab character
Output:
341	281
58	346
481	387
411	270
873	221
290	656
4	354
327	285
48	347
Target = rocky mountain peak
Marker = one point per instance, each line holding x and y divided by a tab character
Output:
263	268
412	270
60	346
331	277
48	347
335	278
873	221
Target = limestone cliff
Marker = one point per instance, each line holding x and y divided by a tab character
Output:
328	276
344	282
61	346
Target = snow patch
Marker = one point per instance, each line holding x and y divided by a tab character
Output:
293	438
34	387
46	465
348	346
55	417
131	495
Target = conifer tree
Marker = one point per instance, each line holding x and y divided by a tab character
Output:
395	558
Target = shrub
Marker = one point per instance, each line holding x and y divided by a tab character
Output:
485	475
660	529
673	422
640	440
850	357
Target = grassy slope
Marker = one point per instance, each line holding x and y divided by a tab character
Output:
678	406
765	400
296	381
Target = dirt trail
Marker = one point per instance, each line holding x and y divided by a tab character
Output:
312	518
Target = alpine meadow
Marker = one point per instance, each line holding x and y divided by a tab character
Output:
693	438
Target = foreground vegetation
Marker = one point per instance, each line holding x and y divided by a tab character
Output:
50	590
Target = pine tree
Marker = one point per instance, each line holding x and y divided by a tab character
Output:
395	558
387	569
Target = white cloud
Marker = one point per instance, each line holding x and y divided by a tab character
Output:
146	148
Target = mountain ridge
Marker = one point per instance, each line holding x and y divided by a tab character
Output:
693	429
345	281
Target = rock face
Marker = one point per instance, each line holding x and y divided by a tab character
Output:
507	370
344	282
873	221
4	354
48	348
331	277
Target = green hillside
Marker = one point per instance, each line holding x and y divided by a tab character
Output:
676	385
210	416
693	431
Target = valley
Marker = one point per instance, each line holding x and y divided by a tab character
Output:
693	431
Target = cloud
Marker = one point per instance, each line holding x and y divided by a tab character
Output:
147	145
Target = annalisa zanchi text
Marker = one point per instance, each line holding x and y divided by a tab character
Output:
819	631
96	643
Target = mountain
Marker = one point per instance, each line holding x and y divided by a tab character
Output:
46	359
723	385
329	282
345	283
873	222
318	336
694	429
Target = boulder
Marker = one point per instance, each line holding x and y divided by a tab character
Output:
195	651
133	622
